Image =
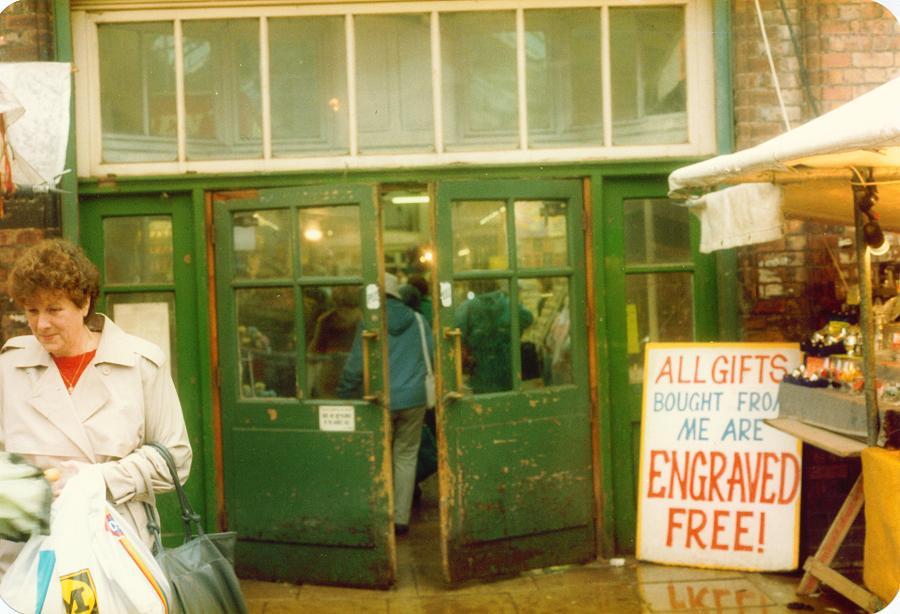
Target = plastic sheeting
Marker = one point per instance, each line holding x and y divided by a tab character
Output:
814	162
35	98
881	559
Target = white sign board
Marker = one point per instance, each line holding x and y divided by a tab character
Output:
337	418
149	321
718	486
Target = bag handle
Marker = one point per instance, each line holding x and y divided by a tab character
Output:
421	321
189	517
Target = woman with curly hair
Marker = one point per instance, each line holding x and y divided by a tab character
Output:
81	390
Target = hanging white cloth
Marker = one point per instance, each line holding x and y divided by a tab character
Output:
36	97
741	215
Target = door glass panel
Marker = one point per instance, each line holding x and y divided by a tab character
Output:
330	241
137	92
479	235
148	315
138	249
658	308
335	313
393	80
406	220
562	54
308	82
262	244
656	232
484	318
546	345
223	104
479	80
541	233
266	339
649	84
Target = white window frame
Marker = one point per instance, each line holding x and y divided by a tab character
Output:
88	14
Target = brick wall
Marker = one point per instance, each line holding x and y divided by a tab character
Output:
26	35
789	287
26	31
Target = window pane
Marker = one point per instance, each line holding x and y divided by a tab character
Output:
221	89
150	316
484	317
479	80
262	244
659	308
406	219
335	313
137	92
266	338
656	232
541	234
138	250
330	241
546	345
649	96
308	82
393	81
565	95
479	235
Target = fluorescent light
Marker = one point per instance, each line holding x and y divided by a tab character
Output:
410	200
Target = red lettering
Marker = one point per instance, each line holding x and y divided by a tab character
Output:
681	379
697	379
693	530
697	479
666	370
778	370
654	473
795	485
753	480
673	524
740	529
766	477
673	602
715	474
745	368
737	479
681	478
718	527
719	373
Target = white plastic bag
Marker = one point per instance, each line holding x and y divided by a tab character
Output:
92	561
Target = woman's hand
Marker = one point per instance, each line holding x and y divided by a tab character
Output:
59	477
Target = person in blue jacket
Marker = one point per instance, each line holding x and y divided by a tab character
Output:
407	370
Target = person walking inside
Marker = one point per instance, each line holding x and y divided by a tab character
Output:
407	373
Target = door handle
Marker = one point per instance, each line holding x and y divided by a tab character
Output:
456	335
368	336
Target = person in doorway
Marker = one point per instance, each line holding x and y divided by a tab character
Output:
484	321
425	305
333	339
80	390
406	366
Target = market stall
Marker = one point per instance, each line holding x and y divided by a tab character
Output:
841	168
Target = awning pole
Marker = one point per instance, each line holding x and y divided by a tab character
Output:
866	324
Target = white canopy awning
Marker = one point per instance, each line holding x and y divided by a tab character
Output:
813	163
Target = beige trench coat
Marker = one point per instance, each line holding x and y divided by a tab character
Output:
124	398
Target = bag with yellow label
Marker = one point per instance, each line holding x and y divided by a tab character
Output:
92	561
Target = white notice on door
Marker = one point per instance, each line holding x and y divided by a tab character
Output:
337	418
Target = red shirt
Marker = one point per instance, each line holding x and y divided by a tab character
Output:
71	367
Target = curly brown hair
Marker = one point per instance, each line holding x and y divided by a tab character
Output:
56	265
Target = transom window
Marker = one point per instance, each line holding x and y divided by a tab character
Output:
391	84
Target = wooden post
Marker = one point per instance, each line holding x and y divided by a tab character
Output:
866	324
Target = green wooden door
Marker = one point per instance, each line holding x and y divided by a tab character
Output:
307	474
515	422
143	246
658	288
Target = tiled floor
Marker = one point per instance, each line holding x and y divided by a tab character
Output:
597	587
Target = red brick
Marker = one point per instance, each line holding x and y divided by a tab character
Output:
836	60
866	60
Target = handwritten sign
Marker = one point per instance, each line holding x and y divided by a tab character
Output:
718	487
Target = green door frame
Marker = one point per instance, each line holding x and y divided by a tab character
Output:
190	366
624	413
596	176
